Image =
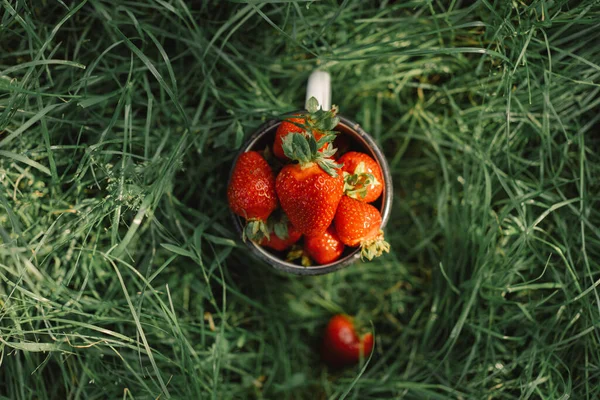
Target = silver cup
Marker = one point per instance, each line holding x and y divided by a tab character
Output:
319	86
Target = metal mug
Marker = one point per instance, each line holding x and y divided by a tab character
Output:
319	86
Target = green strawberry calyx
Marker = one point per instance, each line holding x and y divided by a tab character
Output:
319	120
256	230
357	183
316	120
280	227
374	247
304	147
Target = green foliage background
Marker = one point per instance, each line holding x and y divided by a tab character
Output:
121	276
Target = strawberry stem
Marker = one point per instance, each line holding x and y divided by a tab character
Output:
318	119
256	230
374	247
299	148
357	183
304	147
280	228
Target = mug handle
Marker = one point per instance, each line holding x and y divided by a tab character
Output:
319	86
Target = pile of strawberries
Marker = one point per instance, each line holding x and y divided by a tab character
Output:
323	198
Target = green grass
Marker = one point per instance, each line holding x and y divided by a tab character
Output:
121	275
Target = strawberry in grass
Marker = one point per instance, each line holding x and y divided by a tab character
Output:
342	345
359	224
362	176
251	194
309	191
324	248
315	122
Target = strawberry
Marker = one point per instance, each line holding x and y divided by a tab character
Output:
310	191
309	196
251	193
341	344
362	176
285	236
315	122
358	223
324	248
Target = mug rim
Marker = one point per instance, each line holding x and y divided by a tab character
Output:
386	202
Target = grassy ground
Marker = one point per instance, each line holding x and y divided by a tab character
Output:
121	276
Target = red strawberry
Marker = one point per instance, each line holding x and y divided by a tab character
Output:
362	176
324	248
283	242
310	191
315	122
309	196
341	345
251	193
358	223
